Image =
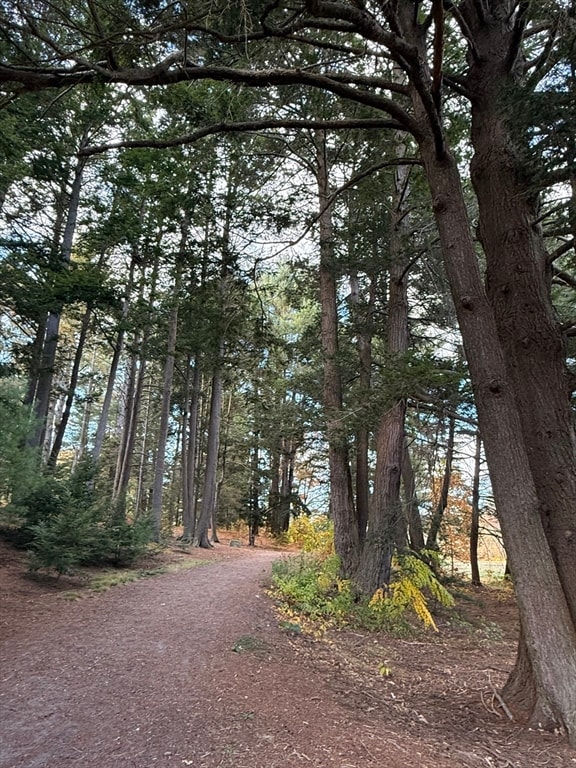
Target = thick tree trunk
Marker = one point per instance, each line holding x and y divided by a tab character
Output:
545	617
387	525
346	538
518	283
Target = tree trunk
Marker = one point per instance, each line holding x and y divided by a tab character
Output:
209	490
189	466
274	492
126	454
545	617
363	328
475	524
70	394
415	532
160	463
438	514
518	284
110	384
254	502
43	389
287	460
386	522
346	538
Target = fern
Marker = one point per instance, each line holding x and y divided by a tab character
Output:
413	578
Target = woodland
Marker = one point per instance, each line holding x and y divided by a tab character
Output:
262	260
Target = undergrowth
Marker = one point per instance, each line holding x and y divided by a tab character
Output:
312	596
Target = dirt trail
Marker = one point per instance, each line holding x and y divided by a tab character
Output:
191	669
183	669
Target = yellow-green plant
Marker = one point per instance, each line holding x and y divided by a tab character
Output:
313	534
412	580
310	591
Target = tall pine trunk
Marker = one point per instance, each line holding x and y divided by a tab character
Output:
346	536
518	283
544	612
442	504
210	473
387	527
160	462
43	387
70	394
113	371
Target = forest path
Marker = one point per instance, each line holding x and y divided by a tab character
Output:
185	669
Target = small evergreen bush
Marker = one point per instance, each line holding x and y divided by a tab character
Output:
65	526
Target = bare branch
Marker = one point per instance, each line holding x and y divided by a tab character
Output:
250	126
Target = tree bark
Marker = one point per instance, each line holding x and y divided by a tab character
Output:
189	465
70	394
209	489
160	463
518	284
111	380
346	538
415	531
43	389
387	527
545	617
363	327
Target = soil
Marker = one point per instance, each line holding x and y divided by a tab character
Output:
194	668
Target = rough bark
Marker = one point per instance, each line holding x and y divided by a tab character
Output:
545	617
387	525
518	284
346	538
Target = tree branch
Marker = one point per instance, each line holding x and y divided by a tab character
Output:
249	126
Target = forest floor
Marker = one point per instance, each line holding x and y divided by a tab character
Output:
193	668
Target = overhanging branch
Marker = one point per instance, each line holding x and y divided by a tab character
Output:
250	126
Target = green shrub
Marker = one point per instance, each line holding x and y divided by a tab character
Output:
310	585
123	542
64	541
310	588
66	526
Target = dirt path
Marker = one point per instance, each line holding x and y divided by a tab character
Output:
191	669
182	669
